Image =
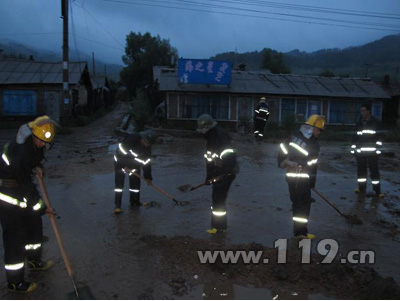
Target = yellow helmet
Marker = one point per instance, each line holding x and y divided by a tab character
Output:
262	99
317	121
43	128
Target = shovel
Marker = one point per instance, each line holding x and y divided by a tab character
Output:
156	188
189	187
82	292
350	218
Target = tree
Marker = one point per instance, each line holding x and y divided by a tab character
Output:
142	52
327	73
273	61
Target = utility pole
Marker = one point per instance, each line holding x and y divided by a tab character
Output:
65	47
94	69
366	69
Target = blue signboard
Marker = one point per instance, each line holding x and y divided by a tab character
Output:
19	103
210	72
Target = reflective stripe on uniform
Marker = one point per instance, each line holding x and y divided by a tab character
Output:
299	148
283	148
14	267
118	190
32	246
300	219
312	162
122	149
141	161
134	190
361	180
368	149
12	201
218	212
297	175
368	132
375	182
39	205
226	151
4	155
5	158
133	154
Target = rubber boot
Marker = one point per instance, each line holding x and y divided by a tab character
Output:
40	265
16	281
22	287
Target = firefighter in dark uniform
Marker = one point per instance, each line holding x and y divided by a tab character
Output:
366	146
221	169
299	156
133	154
261	115
21	206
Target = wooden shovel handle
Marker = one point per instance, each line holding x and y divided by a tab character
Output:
156	188
329	202
55	228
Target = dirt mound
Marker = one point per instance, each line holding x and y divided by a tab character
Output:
182	269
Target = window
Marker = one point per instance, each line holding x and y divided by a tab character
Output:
19	103
287	112
314	107
301	110
344	112
192	106
376	110
219	107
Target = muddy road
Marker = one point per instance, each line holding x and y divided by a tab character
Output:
151	252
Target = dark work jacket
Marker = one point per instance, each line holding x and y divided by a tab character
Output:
220	156
23	159
367	140
131	154
261	113
306	158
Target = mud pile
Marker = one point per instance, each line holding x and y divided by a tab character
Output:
181	269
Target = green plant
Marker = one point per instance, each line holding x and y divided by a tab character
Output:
140	110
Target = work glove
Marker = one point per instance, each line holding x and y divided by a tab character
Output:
288	164
207	182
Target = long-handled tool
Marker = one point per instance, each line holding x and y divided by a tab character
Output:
157	188
82	292
350	218
189	187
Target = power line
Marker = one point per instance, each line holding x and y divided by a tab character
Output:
262	17
318	9
102	27
288	15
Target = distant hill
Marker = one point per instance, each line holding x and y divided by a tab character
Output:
18	50
373	60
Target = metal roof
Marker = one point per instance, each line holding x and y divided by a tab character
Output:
264	82
31	72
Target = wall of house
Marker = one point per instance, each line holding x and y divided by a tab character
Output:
283	109
29	101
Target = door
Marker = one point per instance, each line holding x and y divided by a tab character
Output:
51	104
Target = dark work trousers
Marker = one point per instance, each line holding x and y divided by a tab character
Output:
259	126
134	185
219	194
21	227
371	163
300	195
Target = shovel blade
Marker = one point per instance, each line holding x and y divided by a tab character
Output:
84	293
185	188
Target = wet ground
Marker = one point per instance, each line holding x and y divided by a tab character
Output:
151	252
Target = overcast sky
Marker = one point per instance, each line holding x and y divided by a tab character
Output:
201	28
